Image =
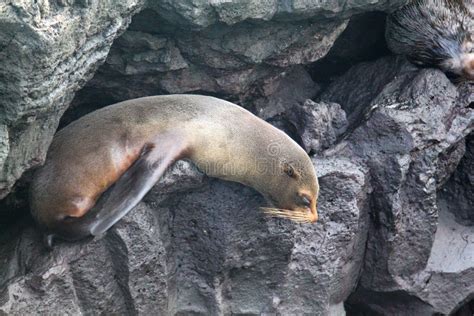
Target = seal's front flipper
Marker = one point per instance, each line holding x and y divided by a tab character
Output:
132	186
125	193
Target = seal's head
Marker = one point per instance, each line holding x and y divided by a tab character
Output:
293	186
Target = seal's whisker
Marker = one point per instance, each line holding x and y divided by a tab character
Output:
296	216
282	213
278	210
275	209
287	212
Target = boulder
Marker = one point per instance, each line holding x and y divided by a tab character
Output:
255	64
412	137
320	125
198	245
48	51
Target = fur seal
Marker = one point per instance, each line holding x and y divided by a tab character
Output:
100	166
438	33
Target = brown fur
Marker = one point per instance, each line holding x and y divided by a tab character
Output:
222	139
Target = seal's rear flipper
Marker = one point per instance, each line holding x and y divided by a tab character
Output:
126	192
132	186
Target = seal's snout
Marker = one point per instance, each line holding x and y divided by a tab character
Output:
308	205
314	212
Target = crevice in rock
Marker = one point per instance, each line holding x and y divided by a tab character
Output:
120	266
91	293
156	57
385	303
457	194
14	206
466	309
362	40
453	247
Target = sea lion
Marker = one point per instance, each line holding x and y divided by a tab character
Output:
435	33
100	166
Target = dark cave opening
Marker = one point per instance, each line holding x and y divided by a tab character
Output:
466	309
362	40
457	194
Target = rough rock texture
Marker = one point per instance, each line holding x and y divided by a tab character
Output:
392	145
198	14
411	136
318	124
48	50
352	92
458	192
205	249
254	63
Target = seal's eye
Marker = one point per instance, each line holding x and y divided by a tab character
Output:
289	170
305	201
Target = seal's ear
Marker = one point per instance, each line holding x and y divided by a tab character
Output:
290	170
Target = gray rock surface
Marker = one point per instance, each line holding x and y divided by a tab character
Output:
254	64
48	51
205	249
351	90
199	14
318	124
458	192
411	137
